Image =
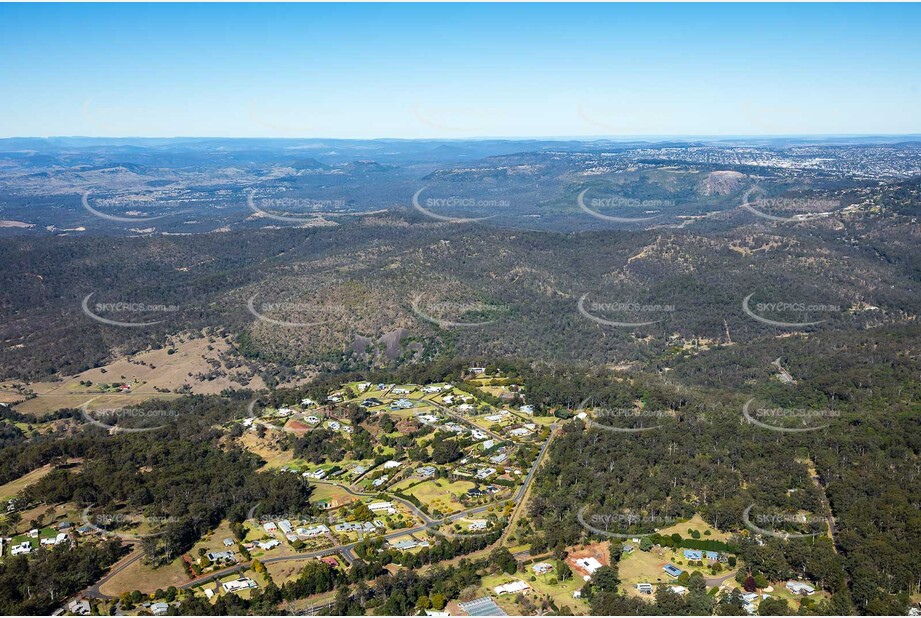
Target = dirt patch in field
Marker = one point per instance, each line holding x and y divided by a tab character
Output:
139	576
265	448
186	365
599	551
296	426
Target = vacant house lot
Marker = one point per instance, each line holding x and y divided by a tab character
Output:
440	494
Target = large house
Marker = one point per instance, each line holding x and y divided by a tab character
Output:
23	548
542	567
672	570
383	506
589	564
79	607
801	588
512	587
243	583
313	531
477	525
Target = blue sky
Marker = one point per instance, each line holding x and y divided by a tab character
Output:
454	71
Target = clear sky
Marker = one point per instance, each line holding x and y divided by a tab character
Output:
453	71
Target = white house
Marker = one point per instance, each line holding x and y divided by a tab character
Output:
270	526
542	567
382	506
800	588
23	548
244	583
483	473
56	540
499	458
79	607
217	556
269	544
512	587
589	564
313	531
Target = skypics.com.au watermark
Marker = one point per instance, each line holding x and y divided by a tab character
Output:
113	202
108	418
290	205
108	523
767	523
591	310
456	203
309	314
622	521
788	307
618	419
814	207
767	418
131	308
448	314
621	203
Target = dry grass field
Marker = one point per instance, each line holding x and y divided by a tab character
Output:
139	576
145	373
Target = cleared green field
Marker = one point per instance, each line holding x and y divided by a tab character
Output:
336	496
561	593
439	494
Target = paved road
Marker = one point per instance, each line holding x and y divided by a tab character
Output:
347	550
134	556
360	494
715	582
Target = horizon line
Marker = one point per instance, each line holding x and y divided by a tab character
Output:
662	136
